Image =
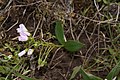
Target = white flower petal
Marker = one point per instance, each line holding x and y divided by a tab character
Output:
22	38
65	38
22	53
18	30
23	32
27	33
30	51
114	78
22	27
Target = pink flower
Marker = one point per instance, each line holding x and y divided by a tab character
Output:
22	38
23	33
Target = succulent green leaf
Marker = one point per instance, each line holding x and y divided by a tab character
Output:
59	32
72	45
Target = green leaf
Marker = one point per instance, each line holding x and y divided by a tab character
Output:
2	78
59	32
111	51
87	76
98	0
73	45
118	27
105	1
114	72
4	69
9	47
75	71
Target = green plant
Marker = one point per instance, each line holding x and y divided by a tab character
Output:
15	64
86	76
106	1
69	45
114	72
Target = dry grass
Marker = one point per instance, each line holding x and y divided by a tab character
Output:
94	24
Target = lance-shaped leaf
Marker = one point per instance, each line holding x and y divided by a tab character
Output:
59	32
72	45
75	71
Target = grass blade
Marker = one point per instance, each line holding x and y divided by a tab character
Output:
114	72
87	76
23	77
75	71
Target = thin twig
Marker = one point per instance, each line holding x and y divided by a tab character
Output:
10	1
97	7
5	19
62	75
117	16
54	56
36	28
69	67
13	25
71	29
27	4
98	39
98	21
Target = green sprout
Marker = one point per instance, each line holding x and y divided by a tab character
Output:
70	45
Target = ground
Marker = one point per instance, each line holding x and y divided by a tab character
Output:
95	24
